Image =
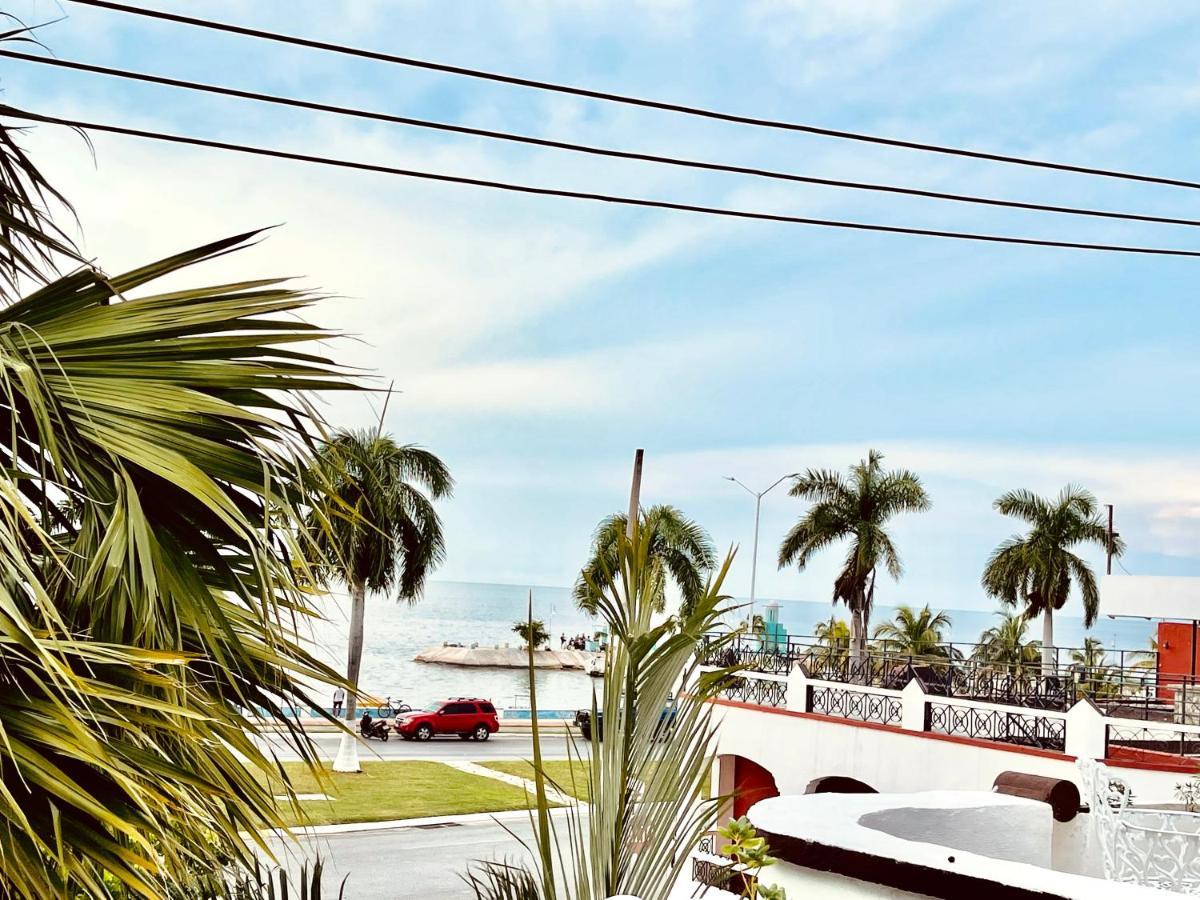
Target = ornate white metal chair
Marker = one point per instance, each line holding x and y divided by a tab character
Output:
1156	847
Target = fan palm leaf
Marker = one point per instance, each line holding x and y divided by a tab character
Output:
156	464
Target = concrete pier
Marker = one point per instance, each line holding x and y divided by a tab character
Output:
506	657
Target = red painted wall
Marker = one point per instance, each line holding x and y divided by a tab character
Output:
751	783
1175	654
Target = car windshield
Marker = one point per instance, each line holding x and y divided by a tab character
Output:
433	707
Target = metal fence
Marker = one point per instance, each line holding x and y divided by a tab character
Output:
759	691
726	876
1123	683
1149	743
862	706
1023	729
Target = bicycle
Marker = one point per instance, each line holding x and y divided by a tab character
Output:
391	708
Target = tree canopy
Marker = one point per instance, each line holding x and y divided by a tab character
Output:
854	508
679	549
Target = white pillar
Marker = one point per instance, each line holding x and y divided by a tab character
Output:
912	718
1086	731
797	689
347	755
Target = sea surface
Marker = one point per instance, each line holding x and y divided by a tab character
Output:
468	612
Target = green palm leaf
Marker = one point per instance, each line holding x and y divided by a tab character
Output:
156	468
856	509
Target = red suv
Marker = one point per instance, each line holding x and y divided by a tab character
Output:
468	717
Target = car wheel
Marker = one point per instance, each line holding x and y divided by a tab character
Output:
424	733
481	733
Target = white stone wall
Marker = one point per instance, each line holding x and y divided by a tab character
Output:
796	749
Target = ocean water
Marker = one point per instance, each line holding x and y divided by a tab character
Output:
468	613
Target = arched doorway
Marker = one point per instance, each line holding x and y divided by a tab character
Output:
746	780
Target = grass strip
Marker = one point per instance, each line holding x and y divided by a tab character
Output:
401	789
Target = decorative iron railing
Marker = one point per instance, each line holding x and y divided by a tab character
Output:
726	876
1130	689
863	706
753	655
1150	743
759	691
1001	726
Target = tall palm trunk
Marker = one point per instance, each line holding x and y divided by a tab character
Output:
347	755
358	605
858	639
1049	654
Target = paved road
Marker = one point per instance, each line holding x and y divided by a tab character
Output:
500	746
411	861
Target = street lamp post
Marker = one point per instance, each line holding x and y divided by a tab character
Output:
757	495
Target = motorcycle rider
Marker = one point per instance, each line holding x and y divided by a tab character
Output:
365	725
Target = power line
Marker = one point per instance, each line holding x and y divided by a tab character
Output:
626	99
586	195
582	148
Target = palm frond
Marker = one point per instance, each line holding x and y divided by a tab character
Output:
645	773
156	468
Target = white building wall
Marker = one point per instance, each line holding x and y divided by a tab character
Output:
798	748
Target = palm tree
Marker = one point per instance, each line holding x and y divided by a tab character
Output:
834	633
30	240
534	627
833	642
856	509
153	475
154	465
915	632
1096	677
380	532
679	549
1036	571
1004	644
645	780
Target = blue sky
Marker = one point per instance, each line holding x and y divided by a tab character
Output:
538	341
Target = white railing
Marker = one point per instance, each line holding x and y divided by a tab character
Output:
1082	731
1154	847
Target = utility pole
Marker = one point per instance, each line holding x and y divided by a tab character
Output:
1112	536
635	493
757	495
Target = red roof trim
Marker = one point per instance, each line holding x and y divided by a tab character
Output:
1181	767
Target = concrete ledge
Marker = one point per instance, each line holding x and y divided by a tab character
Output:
506	657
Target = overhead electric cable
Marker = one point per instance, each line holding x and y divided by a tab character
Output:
583	148
627	99
586	195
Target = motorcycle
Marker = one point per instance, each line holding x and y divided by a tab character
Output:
376	728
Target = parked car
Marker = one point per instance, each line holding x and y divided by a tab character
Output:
467	717
583	721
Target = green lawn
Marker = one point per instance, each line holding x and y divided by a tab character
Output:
559	771
404	789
